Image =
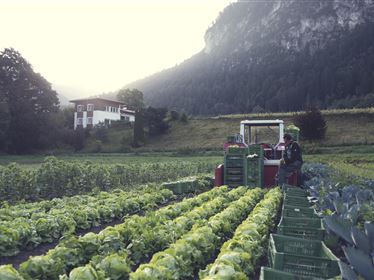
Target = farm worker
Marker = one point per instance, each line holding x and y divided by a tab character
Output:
291	161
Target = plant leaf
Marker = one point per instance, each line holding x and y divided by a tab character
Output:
347	272
360	261
337	225
360	240
369	230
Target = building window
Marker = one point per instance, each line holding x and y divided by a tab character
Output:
79	121
79	108
127	118
90	107
89	120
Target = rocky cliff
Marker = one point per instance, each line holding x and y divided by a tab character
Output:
275	56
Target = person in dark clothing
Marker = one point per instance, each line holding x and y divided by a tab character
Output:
292	159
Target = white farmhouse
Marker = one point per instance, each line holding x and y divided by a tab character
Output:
92	111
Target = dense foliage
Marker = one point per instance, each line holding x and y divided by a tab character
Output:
311	123
28	106
57	178
133	98
348	212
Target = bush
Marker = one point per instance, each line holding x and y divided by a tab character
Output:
311	123
184	118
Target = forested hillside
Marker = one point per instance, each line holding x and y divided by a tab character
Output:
275	56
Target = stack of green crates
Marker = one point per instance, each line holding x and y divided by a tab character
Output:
297	251
310	228
298	218
302	257
255	171
235	167
255	166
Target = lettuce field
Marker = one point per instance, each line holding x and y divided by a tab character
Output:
121	221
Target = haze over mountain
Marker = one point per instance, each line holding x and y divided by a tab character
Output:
275	56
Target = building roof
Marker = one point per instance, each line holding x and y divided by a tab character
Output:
96	98
130	112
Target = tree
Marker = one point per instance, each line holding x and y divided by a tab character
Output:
27	104
139	129
184	118
4	121
311	123
133	98
156	120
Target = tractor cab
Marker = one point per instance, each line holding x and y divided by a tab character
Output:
267	133
252	158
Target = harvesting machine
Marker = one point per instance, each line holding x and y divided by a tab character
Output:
252	157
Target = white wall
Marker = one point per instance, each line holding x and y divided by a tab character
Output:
131	117
84	119
75	120
100	116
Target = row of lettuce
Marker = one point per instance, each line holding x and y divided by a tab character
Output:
58	178
25	226
173	242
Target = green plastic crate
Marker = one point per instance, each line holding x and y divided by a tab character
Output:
234	171
296	201
237	150
255	172
234	178
234	161
256	149
233	183
311	228
268	273
302	257
294	191
175	187
295	211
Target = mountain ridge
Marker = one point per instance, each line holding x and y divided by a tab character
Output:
260	55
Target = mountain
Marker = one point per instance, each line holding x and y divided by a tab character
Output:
64	102
66	93
275	56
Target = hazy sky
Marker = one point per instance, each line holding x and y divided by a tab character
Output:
99	46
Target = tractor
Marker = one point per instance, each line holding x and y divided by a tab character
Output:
252	157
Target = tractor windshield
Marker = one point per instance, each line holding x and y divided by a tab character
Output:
263	134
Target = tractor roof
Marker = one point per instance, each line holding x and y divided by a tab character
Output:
261	122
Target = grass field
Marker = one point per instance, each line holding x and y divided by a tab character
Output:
344	128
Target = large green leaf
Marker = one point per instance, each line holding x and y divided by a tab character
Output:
360	240
337	225
347	272
7	272
360	261
369	230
